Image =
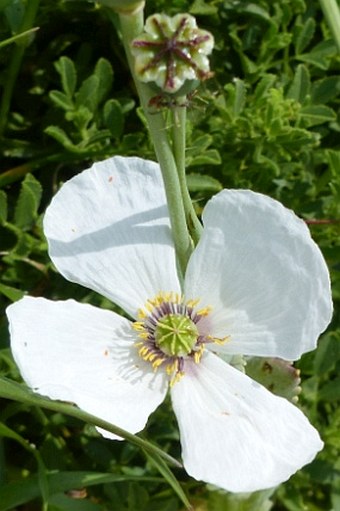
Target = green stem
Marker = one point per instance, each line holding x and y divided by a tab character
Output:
331	12
15	64
15	38
178	140
131	27
12	390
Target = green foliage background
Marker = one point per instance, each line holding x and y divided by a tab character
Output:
268	120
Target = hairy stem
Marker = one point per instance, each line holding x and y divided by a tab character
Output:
131	27
178	140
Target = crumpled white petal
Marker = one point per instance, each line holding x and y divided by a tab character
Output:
76	352
108	229
236	434
262	273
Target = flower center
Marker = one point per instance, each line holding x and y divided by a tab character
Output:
176	335
170	333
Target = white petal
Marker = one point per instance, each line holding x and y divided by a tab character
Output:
108	229
266	279
76	352
236	434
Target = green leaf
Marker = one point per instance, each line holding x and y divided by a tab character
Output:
14	13
333	158
60	136
219	500
11	293
253	9
330	391
236	97
19	492
138	497
26	209
325	90
68	74
202	8
305	35
209	157
240	96
316	114
42	478
320	55
161	466
61	100
103	71
300	86
113	117
266	83
203	183
88	93
3	207
328	353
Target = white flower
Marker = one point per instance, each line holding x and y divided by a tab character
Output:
256	284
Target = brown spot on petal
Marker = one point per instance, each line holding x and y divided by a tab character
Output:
110	179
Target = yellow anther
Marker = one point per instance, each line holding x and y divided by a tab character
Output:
170	368
143	351
156	363
192	303
141	314
143	335
204	312
138	325
218	341
176	377
198	354
149	306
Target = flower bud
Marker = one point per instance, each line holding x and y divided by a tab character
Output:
171	53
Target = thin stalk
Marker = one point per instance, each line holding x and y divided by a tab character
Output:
131	27
15	38
12	390
15	64
331	12
178	140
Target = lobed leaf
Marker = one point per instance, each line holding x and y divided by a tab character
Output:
68	74
26	209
